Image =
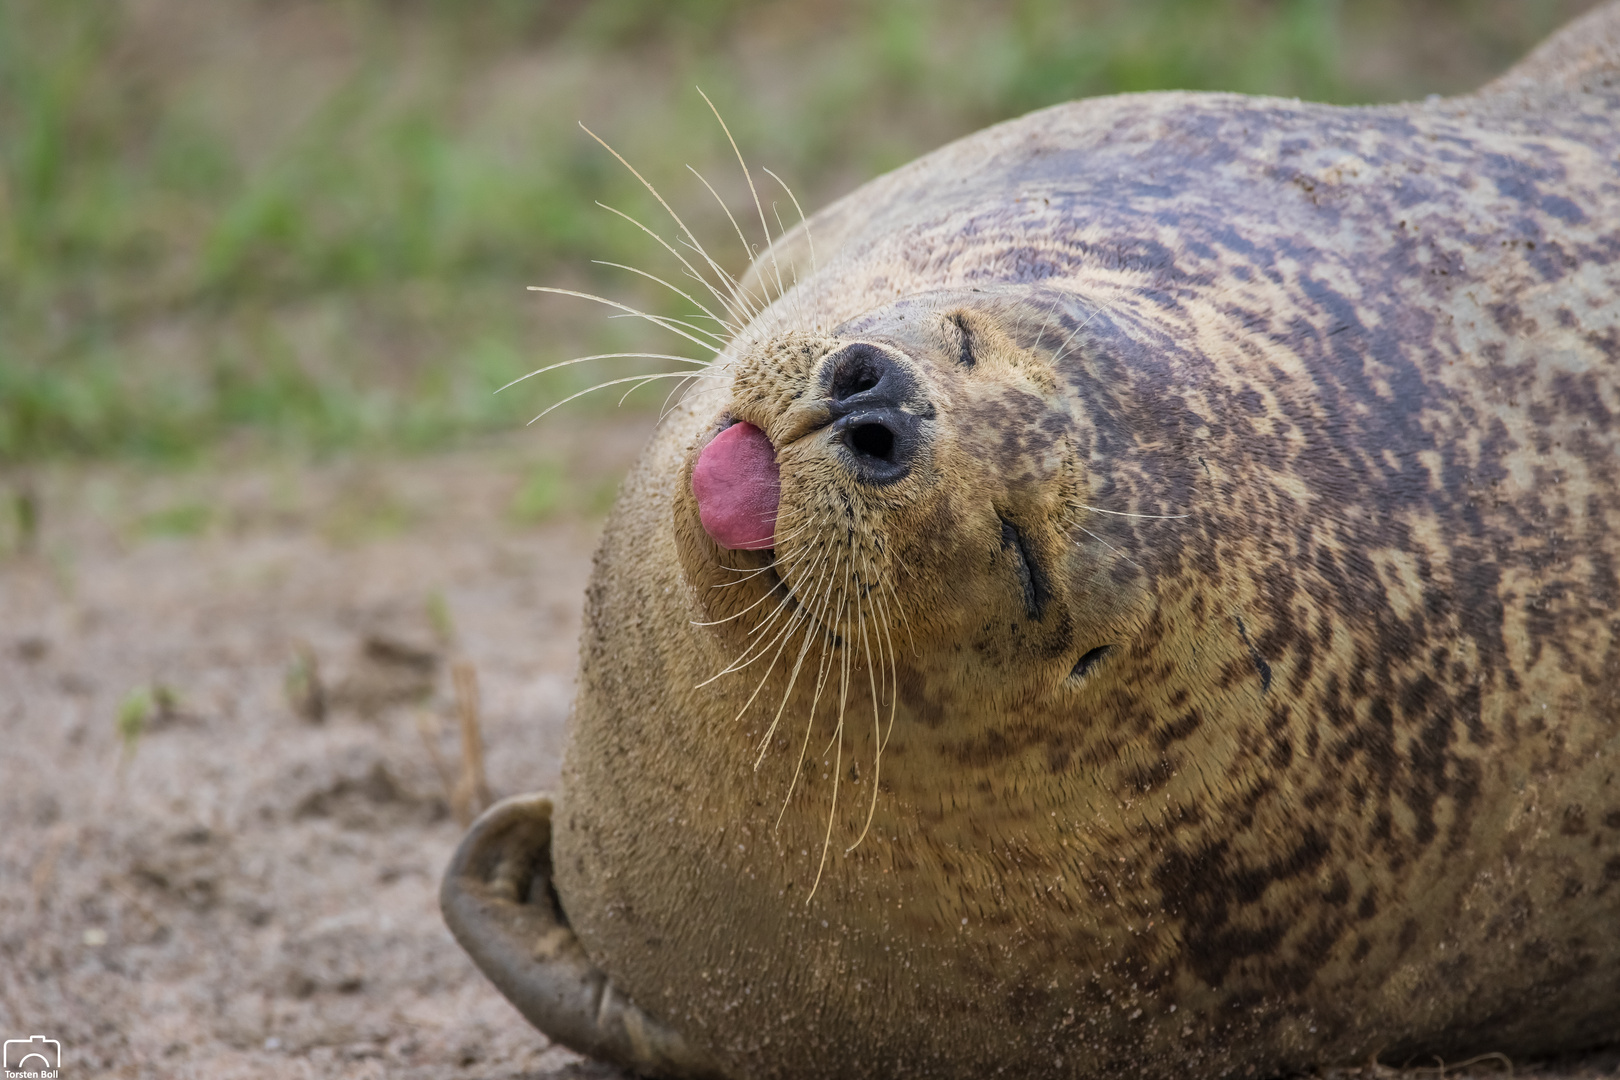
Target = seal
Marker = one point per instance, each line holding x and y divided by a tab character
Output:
1147	604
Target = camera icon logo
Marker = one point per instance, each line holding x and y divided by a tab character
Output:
36	1056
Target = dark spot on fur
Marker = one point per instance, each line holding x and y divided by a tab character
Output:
1282	754
1146	778
1338	893
1179	728
1215	893
1574	823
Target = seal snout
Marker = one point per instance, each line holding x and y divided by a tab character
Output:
738	487
872	401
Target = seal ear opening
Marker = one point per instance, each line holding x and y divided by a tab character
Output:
498	900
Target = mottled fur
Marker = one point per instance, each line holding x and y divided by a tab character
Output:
1346	780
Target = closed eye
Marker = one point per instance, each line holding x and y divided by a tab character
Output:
1031	577
964	348
1083	666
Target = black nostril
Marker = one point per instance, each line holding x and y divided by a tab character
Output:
880	445
854	379
864	375
871	440
877	411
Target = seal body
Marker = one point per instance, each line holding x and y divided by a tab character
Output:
1191	637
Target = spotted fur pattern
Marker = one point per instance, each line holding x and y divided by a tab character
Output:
1256	694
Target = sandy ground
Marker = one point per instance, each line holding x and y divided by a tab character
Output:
248	893
238	890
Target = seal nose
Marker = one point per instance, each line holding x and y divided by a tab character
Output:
868	391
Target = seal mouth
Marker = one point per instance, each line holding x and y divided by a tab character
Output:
738	487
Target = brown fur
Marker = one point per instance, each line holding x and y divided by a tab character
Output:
1346	781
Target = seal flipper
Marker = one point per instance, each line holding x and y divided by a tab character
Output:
498	901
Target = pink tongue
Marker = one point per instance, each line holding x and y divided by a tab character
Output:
738	486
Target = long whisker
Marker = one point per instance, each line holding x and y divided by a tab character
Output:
739	614
782	538
751	653
1109	546
1121	513
654	319
898	606
749	575
654	192
722	379
793	679
734	304
877	724
729	328
680	377
755	650
894	669
1102	305
1047	321
670	399
809	238
889	671
747	251
724	384
776	269
759	570
838	757
755	303
717	343
639	380
784	637
798	299
824	666
799	615
604	356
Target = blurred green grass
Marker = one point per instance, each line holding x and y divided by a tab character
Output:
309	224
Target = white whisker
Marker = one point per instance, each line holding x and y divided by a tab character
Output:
1121	513
809	239
729	328
717	343
734	304
654	319
640	380
747	251
698	247
777	270
1109	546
604	356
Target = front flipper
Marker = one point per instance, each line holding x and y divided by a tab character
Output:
498	900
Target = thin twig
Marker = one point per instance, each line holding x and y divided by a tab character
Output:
473	788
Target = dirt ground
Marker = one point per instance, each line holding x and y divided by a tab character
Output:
197	879
240	891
